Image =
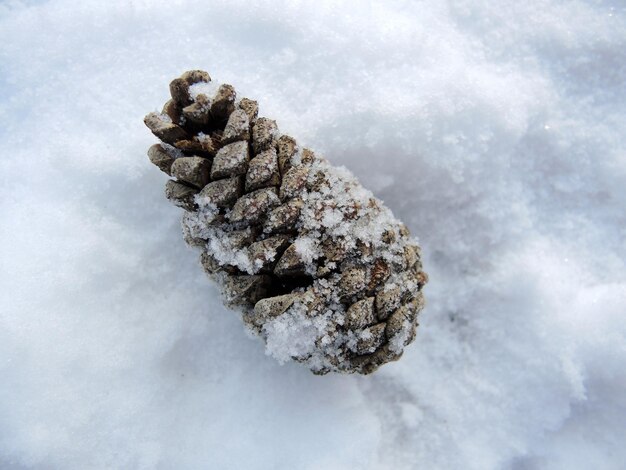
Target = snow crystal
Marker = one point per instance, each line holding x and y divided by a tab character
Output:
208	89
396	344
307	248
293	335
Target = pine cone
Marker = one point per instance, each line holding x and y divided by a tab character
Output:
320	269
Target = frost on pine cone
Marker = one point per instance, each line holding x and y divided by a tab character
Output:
319	268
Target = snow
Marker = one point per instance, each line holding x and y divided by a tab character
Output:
208	89
294	334
494	130
307	250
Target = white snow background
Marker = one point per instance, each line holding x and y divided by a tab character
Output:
495	129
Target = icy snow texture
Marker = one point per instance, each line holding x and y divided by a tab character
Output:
495	130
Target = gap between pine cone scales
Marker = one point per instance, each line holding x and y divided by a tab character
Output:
318	267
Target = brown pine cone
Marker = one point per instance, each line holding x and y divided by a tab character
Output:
320	269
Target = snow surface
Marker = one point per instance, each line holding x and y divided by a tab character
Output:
495	130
